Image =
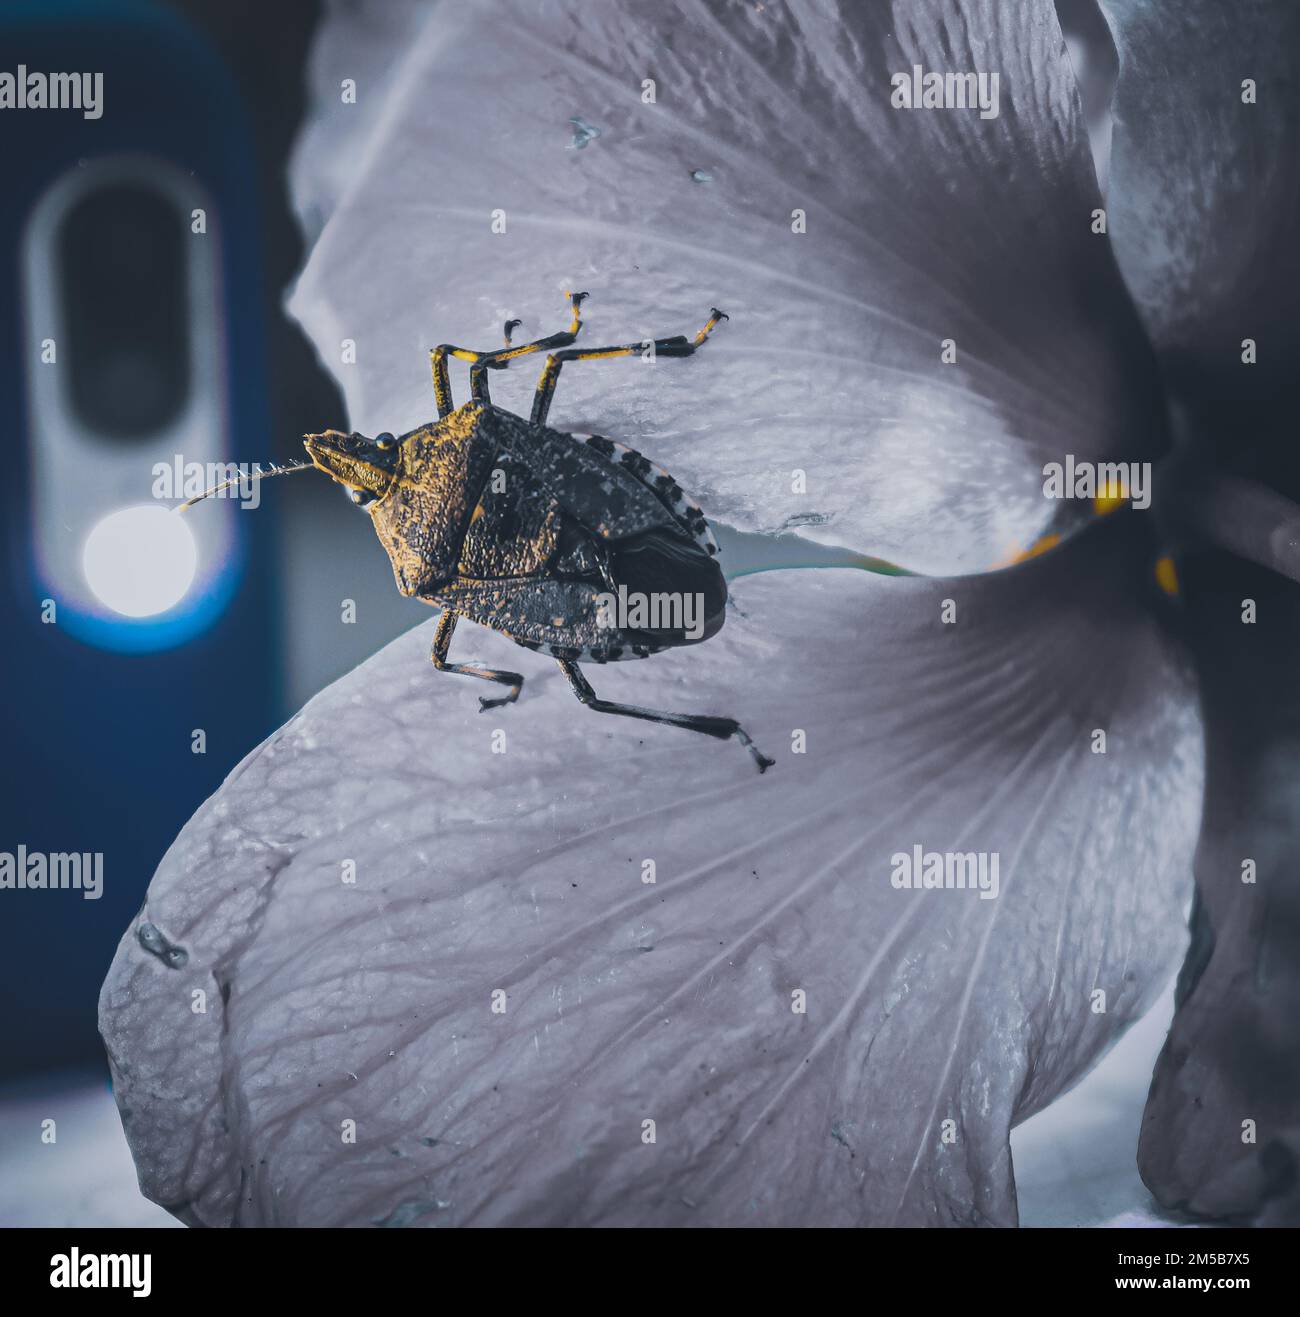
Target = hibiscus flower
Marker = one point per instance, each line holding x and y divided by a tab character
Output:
536	966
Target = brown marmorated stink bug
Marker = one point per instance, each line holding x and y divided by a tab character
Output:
570	545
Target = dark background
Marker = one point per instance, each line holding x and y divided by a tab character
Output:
97	740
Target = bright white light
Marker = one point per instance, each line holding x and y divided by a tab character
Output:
141	560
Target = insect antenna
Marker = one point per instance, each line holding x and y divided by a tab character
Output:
259	472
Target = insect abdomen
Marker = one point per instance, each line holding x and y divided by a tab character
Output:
673	570
686	512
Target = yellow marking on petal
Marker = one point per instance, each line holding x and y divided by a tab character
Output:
1115	496
1167	576
1041	545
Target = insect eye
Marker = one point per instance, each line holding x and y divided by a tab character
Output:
362	497
385	440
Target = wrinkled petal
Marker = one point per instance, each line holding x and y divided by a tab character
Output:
934	1019
922	226
1095	63
1205	189
1221	1130
1204	203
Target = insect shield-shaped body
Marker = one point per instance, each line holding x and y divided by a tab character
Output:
576	547
572	546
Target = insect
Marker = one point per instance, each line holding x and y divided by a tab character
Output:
535	533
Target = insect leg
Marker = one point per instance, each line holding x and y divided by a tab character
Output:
441	379
677	346
722	728
438	655
502	357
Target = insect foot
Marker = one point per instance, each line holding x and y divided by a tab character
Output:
763	762
723	729
485	702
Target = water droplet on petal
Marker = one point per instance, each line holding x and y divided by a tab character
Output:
155	942
583	132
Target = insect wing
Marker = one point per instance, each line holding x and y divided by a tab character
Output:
609	501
